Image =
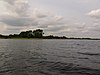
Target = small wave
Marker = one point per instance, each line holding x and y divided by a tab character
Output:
83	58
58	68
86	53
8	70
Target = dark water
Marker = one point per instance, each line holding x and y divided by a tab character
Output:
49	57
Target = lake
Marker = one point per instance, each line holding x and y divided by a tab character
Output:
49	57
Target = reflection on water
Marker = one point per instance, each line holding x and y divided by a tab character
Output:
49	57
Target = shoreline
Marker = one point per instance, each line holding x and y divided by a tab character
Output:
51	38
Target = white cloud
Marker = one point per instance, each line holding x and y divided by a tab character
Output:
95	13
95	25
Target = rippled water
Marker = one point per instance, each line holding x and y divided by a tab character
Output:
49	57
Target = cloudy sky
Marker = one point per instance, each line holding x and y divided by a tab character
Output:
72	18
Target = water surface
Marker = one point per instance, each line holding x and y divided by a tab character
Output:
49	57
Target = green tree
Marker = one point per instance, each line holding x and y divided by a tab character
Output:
38	33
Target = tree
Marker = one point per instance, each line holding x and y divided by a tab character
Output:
38	33
26	34
23	34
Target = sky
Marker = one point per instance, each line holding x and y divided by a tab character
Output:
71	18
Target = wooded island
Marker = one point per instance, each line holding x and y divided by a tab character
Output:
38	33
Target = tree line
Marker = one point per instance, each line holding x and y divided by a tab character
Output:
38	33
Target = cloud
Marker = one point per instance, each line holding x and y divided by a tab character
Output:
3	27
94	13
95	25
16	24
19	7
18	14
38	13
17	21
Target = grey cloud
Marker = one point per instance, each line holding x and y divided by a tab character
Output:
55	28
11	2
40	15
35	18
18	21
42	26
95	28
20	7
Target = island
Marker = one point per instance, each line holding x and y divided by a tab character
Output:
39	34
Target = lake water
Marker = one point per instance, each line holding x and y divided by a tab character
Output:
49	57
